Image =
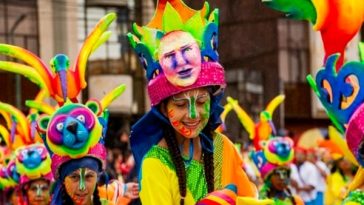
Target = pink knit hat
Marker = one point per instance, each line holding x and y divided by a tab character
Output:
355	131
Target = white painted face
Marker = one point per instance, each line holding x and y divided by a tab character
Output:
180	58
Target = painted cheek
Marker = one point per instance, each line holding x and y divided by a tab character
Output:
185	132
171	113
69	189
206	110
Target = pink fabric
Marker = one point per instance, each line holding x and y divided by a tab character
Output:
98	152
159	88
266	169
355	130
25	179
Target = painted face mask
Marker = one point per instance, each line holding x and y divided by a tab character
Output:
189	112
180	58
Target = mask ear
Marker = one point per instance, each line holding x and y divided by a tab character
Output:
94	106
43	123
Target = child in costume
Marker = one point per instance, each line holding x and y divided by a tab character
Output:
274	165
179	156
33	164
73	133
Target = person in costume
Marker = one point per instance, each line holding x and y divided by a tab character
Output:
273	162
73	133
29	165
33	164
179	156
337	182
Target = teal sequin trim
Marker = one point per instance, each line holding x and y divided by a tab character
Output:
196	181
355	196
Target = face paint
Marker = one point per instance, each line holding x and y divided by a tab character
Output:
38	189
189	112
180	58
80	185
38	193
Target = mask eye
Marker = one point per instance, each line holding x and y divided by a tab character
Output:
213	42
81	118
59	126
39	150
24	152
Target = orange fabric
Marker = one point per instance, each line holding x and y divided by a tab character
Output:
112	194
185	12
298	200
232	170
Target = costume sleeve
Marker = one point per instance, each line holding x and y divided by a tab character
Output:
155	184
232	171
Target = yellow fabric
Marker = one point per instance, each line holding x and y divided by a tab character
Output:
159	183
335	190
351	203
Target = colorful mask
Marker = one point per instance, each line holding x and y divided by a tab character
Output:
178	49
75	131
278	151
33	162
180	58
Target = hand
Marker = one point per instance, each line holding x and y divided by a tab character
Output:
132	190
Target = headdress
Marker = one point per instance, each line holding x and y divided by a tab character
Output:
261	130
33	162
200	26
73	131
178	50
20	132
277	152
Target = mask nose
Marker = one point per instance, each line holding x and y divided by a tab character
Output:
72	127
180	59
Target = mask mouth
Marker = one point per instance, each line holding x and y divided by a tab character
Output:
185	73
